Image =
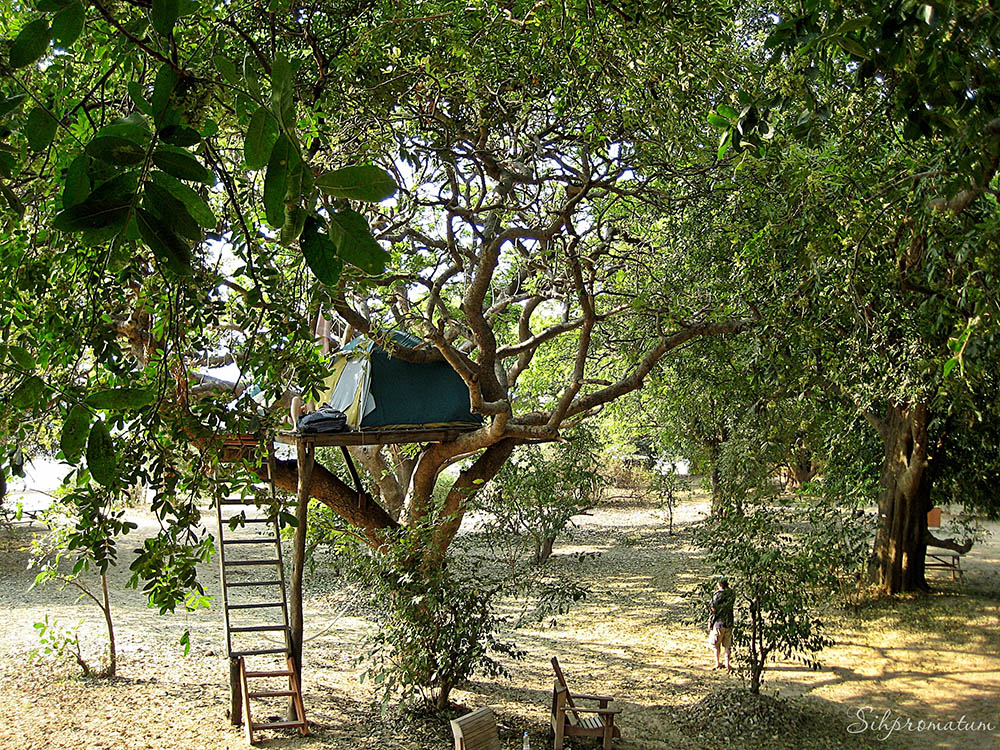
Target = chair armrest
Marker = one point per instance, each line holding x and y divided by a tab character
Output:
585	697
603	711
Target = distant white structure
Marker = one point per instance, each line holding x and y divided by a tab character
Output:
678	466
42	477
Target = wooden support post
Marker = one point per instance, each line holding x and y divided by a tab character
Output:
306	461
235	693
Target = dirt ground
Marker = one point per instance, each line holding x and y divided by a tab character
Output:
932	658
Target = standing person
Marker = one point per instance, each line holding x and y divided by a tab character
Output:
720	623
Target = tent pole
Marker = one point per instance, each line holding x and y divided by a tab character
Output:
306	461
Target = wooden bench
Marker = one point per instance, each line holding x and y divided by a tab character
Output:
476	731
952	562
568	719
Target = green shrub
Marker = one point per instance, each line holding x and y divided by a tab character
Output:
434	626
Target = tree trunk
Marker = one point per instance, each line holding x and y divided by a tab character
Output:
801	467
543	549
897	562
112	669
716	491
441	699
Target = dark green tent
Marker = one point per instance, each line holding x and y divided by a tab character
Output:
387	392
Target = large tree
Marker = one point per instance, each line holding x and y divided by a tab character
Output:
190	186
884	223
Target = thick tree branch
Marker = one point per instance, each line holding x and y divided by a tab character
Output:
950	543
634	379
358	509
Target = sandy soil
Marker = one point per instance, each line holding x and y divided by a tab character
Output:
933	658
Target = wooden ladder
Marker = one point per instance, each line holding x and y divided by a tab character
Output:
234	605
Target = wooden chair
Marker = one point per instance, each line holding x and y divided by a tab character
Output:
567	718
476	731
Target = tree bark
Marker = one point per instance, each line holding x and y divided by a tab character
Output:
801	466
543	549
358	509
897	562
112	669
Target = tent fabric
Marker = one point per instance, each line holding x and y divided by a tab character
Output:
379	391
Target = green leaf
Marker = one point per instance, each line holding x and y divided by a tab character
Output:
283	159
172	211
114	149
121	399
282	75
40	128
51	6
261	136
852	46
28	393
950	365
295	219
22	357
92	213
718	122
361	183
163	87
169	249
73	438
855	24
121	187
351	234
180	135
195	204
320	253
76	184
133	128
67	24
31	43
164	15
182	165
7	164
227	70
138	97
724	143
101	455
727	111
11	103
13	202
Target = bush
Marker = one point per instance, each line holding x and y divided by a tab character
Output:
777	579
435	627
537	493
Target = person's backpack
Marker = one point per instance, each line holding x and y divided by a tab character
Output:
326	419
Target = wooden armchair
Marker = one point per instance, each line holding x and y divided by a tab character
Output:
476	731
571	720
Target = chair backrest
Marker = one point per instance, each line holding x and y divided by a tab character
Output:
476	730
562	681
560	698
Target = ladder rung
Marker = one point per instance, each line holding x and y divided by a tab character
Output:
265	540
258	652
257	628
276	673
279	725
271	694
253	583
255	606
235	563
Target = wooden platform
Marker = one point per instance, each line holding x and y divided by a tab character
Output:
377	437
